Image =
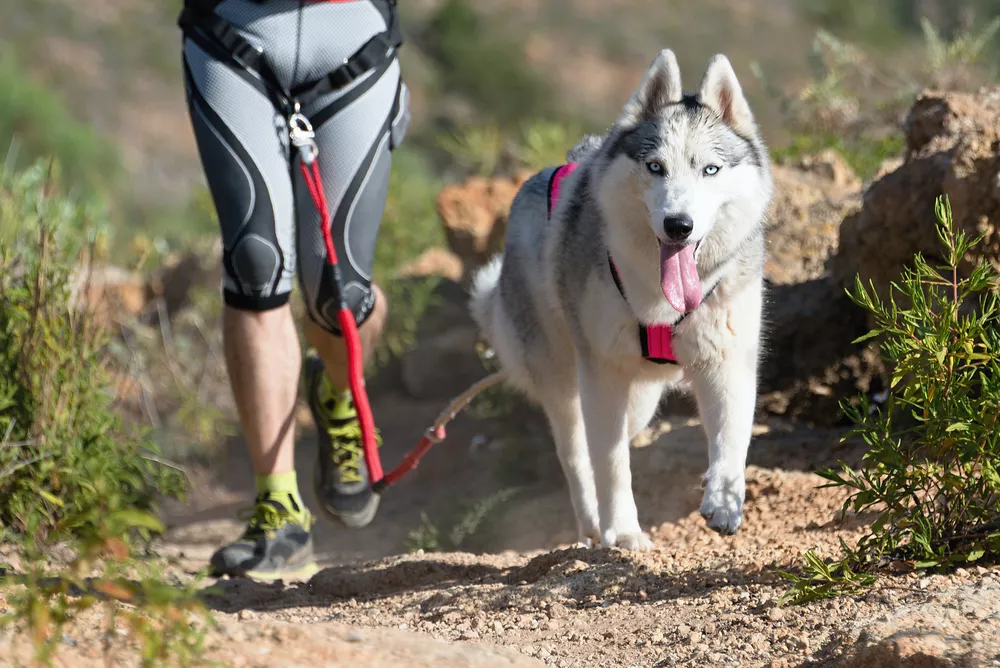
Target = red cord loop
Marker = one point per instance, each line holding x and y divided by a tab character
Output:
303	137
348	327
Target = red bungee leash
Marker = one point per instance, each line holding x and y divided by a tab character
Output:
303	138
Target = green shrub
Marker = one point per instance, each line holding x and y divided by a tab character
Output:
72	473
545	143
464	524
85	462
864	154
931	473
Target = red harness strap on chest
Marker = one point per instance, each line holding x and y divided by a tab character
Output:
656	341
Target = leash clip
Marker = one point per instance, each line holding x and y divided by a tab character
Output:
302	136
435	434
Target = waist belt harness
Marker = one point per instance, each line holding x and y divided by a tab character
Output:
657	340
199	18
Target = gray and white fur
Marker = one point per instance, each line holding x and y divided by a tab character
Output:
567	338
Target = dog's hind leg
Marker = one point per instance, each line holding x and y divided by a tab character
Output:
569	433
605	402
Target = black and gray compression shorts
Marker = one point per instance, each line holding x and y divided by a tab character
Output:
270	227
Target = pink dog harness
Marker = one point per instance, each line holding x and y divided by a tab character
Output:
656	341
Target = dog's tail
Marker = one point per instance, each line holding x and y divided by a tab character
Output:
484	295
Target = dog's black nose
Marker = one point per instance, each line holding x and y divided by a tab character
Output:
679	227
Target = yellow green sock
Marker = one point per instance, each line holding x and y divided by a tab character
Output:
284	488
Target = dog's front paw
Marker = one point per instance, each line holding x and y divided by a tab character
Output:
722	504
633	541
589	537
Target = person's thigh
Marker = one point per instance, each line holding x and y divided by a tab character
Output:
242	148
356	130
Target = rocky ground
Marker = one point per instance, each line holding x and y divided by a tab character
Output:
529	597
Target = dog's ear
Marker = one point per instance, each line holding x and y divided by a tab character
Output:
659	88
721	91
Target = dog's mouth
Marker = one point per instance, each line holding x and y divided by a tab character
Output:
679	278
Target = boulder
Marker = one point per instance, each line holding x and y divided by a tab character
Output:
434	262
474	214
953	149
114	294
109	293
809	363
955	626
811	198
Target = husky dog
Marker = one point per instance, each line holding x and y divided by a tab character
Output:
645	274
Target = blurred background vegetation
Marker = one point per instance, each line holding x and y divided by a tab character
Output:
96	84
496	86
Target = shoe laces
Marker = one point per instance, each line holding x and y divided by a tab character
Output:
345	436
265	516
348	449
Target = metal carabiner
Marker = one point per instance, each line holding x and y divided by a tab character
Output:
302	136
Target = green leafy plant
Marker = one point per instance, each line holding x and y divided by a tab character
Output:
544	143
931	473
463	527
948	61
477	149
73	474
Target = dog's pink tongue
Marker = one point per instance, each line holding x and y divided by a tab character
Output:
679	277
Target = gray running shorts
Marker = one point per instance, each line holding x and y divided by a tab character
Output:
269	224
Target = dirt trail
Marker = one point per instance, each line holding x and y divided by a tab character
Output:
520	594
697	598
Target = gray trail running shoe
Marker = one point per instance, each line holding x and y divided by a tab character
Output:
341	481
275	546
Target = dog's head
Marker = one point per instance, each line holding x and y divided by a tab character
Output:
685	167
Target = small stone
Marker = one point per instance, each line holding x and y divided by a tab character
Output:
776	614
497	627
683	630
544	653
656	638
355	636
694	637
470	634
924	583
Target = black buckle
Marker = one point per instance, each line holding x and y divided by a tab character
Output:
247	54
345	74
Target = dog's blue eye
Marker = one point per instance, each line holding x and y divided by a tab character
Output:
654	167
711	170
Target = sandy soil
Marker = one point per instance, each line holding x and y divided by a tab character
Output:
523	595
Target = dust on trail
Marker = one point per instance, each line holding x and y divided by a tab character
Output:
522	595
